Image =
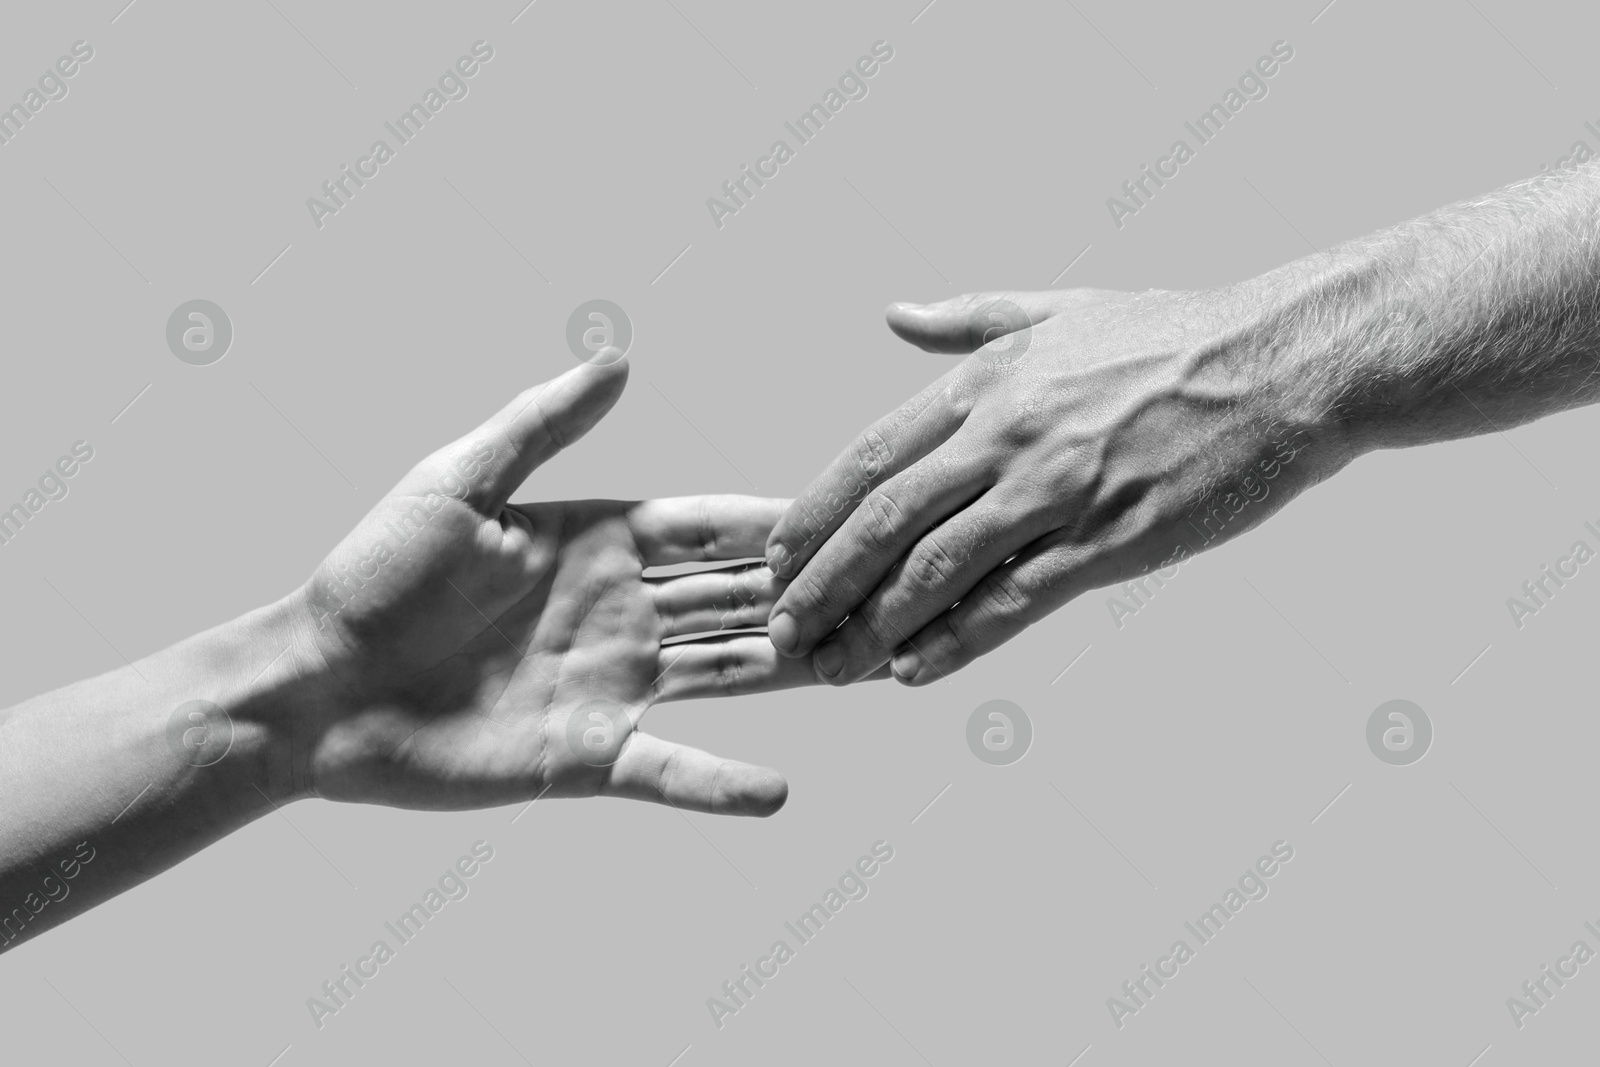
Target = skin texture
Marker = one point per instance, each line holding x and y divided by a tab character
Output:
436	659
1082	446
1092	437
495	653
456	670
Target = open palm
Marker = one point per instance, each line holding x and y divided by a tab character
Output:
483	653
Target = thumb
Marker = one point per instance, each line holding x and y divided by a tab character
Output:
966	323
497	457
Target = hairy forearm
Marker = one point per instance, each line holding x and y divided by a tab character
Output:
106	783
1478	316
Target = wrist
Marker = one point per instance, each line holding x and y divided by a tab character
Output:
1246	388
1306	356
273	684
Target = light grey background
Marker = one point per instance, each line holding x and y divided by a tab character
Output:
1172	754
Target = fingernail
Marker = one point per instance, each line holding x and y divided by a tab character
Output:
783	632
829	659
777	556
906	665
902	305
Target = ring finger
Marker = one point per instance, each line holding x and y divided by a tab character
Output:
940	569
710	601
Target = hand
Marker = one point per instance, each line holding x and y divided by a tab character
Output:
475	652
1089	439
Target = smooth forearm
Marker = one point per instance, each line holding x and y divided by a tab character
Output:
127	768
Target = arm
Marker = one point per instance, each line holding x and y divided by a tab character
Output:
1096	436
455	651
73	759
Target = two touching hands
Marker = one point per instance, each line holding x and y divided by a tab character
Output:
457	650
478	652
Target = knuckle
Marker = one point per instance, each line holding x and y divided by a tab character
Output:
706	529
812	595
929	566
960	395
666	772
716	793
1027	420
872	453
881	521
739	615
730	673
1007	596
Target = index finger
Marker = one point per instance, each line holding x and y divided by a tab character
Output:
884	449
693	529
486	466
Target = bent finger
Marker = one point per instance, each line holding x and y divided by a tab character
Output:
1045	575
885	448
876	535
939	570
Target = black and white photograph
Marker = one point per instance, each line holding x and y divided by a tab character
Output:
679	533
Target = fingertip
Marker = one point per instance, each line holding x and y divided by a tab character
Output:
576	400
784	633
828	659
777	794
901	316
608	369
923	326
908	667
761	794
780	560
